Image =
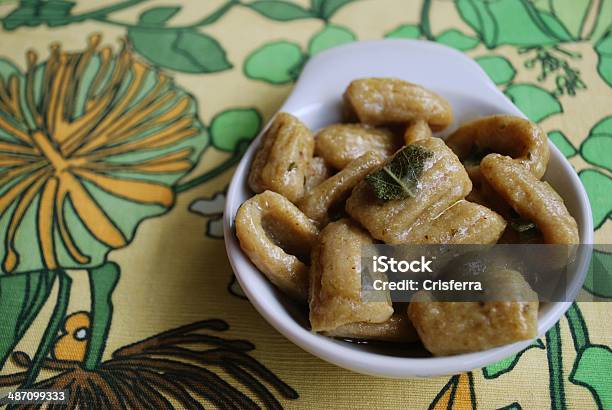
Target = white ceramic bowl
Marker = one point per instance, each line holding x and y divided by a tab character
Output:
316	100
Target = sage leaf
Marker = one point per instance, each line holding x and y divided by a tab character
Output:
399	177
521	224
476	156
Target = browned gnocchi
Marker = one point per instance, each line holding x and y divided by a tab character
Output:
442	183
281	163
462	223
317	172
398	328
320	200
447	328
516	137
417	130
379	101
267	225
339	144
335	283
531	198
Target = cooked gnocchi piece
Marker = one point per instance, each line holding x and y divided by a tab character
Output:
273	233
417	130
531	198
317	172
442	183
462	223
378	101
281	163
482	193
448	328
516	137
335	282
317	203
397	329
339	144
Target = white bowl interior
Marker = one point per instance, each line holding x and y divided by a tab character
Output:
316	100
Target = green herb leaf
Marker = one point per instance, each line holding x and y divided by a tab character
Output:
475	156
521	224
398	178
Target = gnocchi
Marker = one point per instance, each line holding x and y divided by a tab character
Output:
379	101
448	328
339	144
462	223
530	198
317	172
516	137
397	329
417	130
321	198
317	203
266	225
443	182
335	283
281	163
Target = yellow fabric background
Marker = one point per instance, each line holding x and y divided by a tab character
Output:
173	274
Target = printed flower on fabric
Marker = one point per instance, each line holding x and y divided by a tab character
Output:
150	373
90	145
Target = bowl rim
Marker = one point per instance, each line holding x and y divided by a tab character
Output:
338	352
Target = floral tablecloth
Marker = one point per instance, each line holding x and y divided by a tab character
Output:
120	124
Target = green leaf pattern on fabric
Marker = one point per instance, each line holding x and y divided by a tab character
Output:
280	10
495	370
572	14
328	8
21	298
599	277
34	12
278	62
501	22
158	15
329	37
232	126
456	39
537	103
602	23
596	148
565	146
592	370
410	31
102	282
598	187
604	52
188	51
498	68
